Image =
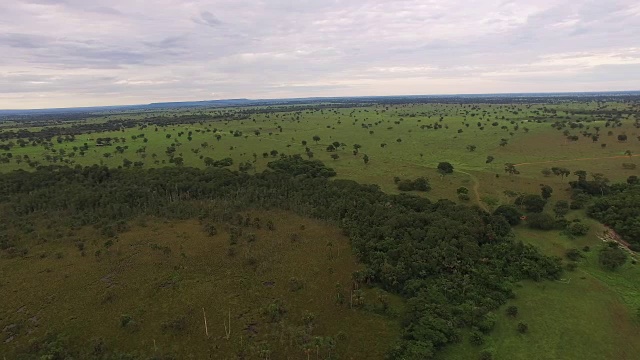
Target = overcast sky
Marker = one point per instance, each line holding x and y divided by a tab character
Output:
60	53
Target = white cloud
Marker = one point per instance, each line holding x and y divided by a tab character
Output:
74	52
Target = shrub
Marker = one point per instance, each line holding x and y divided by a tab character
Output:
540	221
523	328
509	212
486	355
578	229
573	254
295	284
476	338
612	257
275	311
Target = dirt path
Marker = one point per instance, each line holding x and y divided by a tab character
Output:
475	188
578	159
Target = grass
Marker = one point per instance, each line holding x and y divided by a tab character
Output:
137	296
590	316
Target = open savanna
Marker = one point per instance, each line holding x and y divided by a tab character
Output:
590	314
393	137
145	291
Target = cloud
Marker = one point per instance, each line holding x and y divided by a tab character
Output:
209	19
74	52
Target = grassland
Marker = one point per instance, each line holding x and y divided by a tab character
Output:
590	315
146	292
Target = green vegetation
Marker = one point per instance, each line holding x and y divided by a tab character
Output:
317	230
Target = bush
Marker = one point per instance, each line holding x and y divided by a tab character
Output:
612	257
532	203
210	229
476	338
405	185
486	355
578	229
295	284
509	212
419	184
523	328
487	324
573	254
541	221
275	311
512	311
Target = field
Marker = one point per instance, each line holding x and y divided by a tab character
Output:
146	292
116	295
590	314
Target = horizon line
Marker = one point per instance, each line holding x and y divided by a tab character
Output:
323	97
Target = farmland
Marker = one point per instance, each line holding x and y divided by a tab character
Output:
278	287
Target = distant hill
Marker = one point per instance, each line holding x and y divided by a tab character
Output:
293	101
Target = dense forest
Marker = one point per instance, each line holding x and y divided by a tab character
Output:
621	211
454	264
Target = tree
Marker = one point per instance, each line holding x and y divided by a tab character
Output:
532	203
421	184
573	254
335	156
600	181
510	213
581	174
304	142
577	228
316	138
561	208
476	338
510	168
462	190
365	158
512	311
523	328
546	172
489	159
622	138
562	172
471	148
546	191
445	168
633	180
336	144
612	257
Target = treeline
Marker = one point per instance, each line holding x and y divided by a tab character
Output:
49	132
620	210
454	264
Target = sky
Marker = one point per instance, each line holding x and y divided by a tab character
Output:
64	53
